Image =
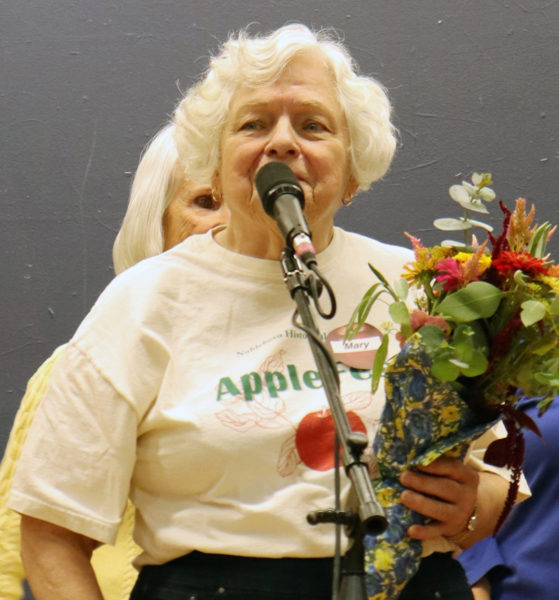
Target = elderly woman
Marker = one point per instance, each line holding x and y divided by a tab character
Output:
164	208
187	386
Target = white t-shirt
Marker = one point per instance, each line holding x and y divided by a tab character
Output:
188	387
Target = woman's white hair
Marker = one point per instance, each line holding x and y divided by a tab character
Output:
257	61
155	182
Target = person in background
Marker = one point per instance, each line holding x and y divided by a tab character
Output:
164	208
521	560
187	388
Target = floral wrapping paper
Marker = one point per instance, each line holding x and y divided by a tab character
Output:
423	419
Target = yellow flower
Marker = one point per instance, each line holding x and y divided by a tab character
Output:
551	282
450	414
398	425
484	261
384	558
448	428
387	496
454	452
425	260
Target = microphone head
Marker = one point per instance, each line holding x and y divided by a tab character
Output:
275	179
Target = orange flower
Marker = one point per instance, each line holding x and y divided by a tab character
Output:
426	260
519	232
418	318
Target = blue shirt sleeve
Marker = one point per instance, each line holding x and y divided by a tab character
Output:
481	558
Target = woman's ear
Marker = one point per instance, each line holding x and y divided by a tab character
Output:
216	185
352	187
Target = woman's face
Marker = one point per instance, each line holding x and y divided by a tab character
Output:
296	120
192	210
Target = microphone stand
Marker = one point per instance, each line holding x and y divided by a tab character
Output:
370	515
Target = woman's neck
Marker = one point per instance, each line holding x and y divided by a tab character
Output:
264	240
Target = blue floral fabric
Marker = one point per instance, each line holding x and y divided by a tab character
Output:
423	419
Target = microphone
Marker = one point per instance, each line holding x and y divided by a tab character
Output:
284	201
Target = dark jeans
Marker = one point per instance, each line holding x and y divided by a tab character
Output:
200	576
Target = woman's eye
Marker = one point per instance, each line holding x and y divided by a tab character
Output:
251	126
206	201
314	127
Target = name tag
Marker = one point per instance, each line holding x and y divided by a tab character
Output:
359	352
355	345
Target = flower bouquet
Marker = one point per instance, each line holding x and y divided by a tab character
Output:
478	326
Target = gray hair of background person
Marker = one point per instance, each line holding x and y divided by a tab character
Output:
258	61
154	186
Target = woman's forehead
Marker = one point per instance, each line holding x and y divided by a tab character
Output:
304	83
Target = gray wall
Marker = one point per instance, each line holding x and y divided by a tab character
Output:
86	83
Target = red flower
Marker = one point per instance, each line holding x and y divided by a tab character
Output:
507	262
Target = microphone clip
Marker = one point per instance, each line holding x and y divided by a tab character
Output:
295	275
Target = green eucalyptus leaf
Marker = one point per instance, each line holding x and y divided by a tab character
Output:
478	300
445	370
464	351
432	337
378	363
467	202
471	346
479	339
458	193
476	206
481	224
487	194
463	332
532	312
399	312
401	287
450	224
452	244
554	306
477	365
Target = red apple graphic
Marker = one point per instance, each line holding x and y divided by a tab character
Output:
314	438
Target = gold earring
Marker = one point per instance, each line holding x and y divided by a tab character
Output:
347	201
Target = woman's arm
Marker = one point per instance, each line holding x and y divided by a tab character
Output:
57	562
448	491
482	589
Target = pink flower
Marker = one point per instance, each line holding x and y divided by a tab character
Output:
451	274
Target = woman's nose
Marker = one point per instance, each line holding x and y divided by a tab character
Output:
283	140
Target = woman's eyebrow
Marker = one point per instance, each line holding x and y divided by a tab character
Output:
255	105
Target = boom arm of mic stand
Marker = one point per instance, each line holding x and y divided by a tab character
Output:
352	444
